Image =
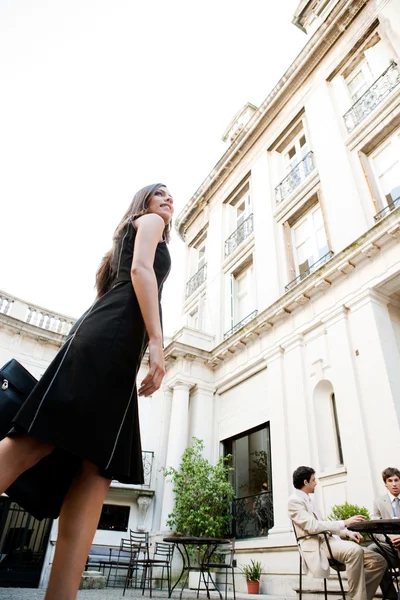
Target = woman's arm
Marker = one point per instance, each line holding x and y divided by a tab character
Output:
150	228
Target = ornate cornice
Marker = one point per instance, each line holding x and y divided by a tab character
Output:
311	55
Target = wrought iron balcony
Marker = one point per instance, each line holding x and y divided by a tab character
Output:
374	95
241	324
147	460
388	209
252	516
314	267
294	178
196	281
238	236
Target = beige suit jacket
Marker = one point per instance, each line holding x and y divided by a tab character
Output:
306	523
382	508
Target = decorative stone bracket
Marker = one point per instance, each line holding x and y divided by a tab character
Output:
143	503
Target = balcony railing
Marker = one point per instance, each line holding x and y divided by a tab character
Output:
241	324
252	516
5	304
196	281
374	95
314	267
48	320
294	178
388	209
238	236
148	459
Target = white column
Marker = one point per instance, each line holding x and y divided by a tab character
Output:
177	441
298	412
377	362
161	455
279	443
201	418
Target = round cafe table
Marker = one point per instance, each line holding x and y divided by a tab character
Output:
182	543
374	529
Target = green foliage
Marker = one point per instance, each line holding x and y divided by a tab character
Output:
251	571
203	494
341	512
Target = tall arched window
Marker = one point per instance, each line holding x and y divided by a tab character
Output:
327	427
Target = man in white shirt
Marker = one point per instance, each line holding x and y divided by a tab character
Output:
388	507
364	567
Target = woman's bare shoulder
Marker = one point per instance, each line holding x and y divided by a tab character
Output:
150	220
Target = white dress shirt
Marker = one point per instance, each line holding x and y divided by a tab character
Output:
395	503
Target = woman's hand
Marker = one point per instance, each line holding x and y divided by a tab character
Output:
154	377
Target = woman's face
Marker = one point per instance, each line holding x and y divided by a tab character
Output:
161	203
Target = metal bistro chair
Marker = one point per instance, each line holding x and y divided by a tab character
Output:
333	563
120	561
222	561
130	551
161	559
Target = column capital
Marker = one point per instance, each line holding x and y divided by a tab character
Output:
180	383
366	297
203	387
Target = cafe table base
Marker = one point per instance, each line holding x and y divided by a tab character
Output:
206	547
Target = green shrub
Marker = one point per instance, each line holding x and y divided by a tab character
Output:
203	495
341	512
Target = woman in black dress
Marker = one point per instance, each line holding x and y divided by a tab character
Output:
85	404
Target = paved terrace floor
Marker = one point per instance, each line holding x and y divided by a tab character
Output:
114	594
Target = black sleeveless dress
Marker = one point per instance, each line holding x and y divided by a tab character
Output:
85	404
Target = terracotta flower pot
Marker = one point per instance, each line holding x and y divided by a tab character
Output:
253	587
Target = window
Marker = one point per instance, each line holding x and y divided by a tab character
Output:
309	241
114	517
252	481
239	219
370	77
294	161
329	441
201	257
359	81
197	267
194	318
385	163
337	430
242	303
296	152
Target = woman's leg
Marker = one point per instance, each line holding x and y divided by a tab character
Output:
79	518
17	454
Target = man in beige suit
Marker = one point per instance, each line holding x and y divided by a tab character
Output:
388	507
364	567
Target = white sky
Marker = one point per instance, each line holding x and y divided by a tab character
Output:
99	98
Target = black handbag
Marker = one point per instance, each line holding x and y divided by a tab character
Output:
41	489
16	385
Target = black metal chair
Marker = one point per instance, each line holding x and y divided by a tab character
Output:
221	561
121	560
126	558
333	563
161	559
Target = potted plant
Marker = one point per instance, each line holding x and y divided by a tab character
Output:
252	573
341	512
203	497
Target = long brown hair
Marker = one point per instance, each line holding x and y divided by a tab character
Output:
137	208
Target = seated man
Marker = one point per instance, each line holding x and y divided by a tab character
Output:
364	571
388	507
